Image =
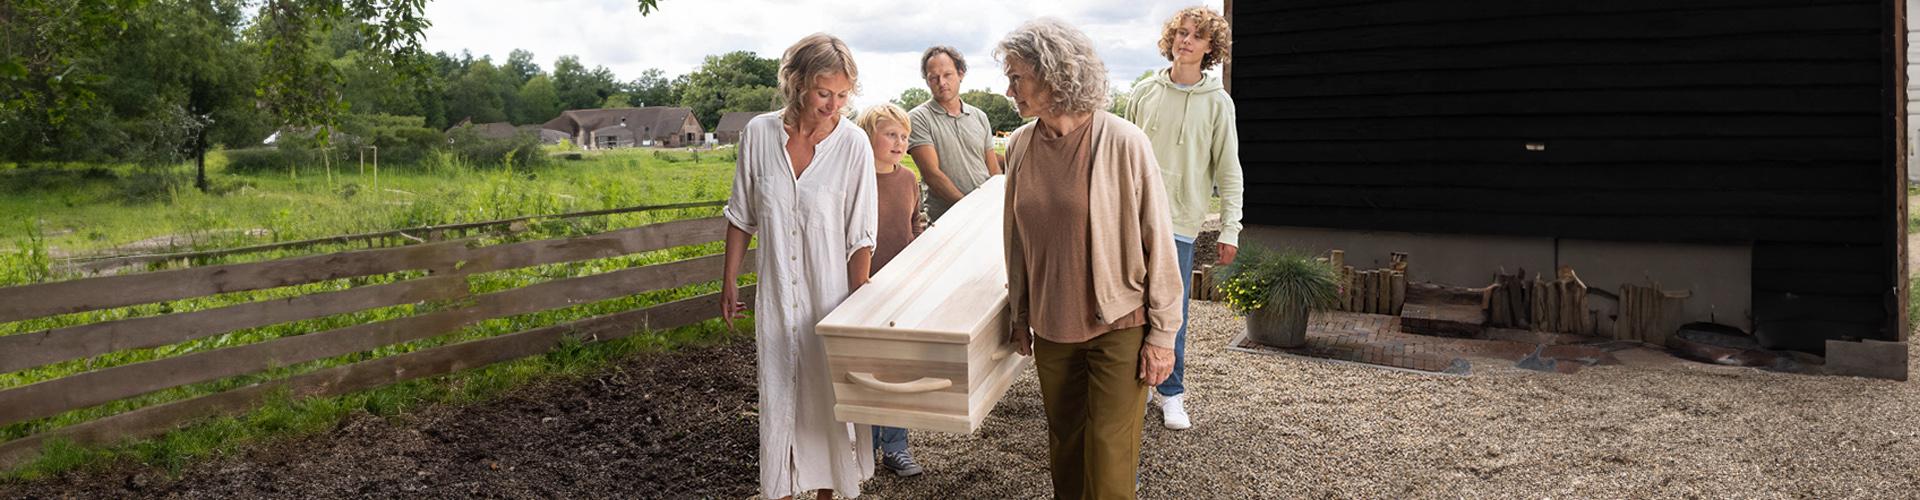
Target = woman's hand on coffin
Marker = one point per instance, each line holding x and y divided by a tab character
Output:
1155	364
1021	338
731	307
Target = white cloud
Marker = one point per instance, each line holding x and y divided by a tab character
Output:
886	37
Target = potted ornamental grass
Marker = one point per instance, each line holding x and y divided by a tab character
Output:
1274	290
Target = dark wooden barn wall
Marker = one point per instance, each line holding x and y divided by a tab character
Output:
1713	121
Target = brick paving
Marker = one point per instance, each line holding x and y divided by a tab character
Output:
1376	339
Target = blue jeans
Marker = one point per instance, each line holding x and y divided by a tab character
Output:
1175	384
890	439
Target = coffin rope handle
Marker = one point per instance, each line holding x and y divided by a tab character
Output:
1000	355
928	384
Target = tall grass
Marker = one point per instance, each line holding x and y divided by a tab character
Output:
85	209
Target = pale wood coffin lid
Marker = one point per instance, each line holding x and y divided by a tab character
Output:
944	287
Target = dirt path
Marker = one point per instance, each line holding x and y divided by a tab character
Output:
681	426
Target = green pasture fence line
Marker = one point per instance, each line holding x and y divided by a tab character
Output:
418	234
449	265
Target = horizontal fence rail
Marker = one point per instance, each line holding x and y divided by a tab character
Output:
416	234
445	290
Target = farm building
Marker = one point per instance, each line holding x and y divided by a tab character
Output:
728	130
1748	155
629	127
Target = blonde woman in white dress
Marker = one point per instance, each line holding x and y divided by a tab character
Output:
805	185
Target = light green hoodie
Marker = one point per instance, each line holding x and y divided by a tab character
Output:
1197	146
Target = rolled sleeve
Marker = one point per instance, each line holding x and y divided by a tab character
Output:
863	207
740	210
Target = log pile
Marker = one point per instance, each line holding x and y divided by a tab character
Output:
1648	313
1202	284
1508	302
1558	306
1374	291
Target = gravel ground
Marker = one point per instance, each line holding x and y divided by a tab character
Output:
1265	427
1282	427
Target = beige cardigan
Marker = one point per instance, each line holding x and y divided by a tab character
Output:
1129	223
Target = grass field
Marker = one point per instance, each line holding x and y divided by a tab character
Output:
86	210
83	210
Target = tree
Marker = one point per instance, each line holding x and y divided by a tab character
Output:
304	91
176	78
653	89
538	101
710	87
1000	111
912	97
473	96
616	101
1120	98
521	66
580	88
752	98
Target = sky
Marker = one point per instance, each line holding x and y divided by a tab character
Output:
887	37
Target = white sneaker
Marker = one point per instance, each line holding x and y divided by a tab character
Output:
1174	410
1154	400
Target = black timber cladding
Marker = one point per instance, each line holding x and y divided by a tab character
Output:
1770	122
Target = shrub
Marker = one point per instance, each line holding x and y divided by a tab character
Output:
256	160
152	184
520	151
403	141
1259	277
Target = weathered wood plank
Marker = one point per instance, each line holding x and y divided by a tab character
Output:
1607	126
63	297
157	419
609	244
1661	50
18	352
1746	22
94	263
1853	70
1833	99
92	388
1324	14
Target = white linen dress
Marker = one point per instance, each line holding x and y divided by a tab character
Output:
808	227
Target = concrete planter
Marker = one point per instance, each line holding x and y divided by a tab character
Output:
1278	326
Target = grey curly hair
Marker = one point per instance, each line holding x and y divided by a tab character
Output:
1064	58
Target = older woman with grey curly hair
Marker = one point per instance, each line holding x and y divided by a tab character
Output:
1091	265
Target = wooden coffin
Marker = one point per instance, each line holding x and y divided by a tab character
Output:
923	344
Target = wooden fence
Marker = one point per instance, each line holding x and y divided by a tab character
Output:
448	265
96	263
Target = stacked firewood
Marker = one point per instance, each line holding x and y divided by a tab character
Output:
1376	291
1558	306
1648	313
1202	284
